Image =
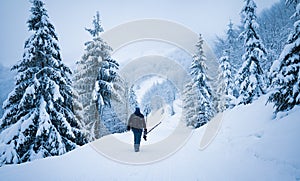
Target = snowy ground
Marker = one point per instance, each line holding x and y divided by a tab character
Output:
250	145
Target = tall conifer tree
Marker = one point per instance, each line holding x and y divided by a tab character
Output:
250	77
204	108
287	81
39	119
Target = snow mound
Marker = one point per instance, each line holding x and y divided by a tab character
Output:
250	145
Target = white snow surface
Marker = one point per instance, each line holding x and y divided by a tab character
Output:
250	145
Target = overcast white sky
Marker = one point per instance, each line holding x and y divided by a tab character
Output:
70	17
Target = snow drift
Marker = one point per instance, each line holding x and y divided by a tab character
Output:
250	145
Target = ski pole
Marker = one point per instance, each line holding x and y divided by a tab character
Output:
153	127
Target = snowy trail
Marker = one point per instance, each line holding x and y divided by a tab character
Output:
249	146
163	141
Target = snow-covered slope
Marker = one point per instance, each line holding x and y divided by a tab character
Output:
250	145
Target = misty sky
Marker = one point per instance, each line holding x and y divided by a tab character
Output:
208	17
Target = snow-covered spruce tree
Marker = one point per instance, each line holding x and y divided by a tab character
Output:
287	81
226	90
226	84
107	74
39	120
132	99
86	76
147	109
98	82
233	44
233	48
204	107
251	76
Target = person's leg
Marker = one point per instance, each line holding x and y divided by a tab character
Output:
135	135
137	138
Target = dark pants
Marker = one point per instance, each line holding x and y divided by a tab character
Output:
137	133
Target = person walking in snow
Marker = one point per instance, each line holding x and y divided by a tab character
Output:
137	123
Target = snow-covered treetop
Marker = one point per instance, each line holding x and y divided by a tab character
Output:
39	18
231	34
97	29
248	14
198	65
251	26
249	9
199	51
